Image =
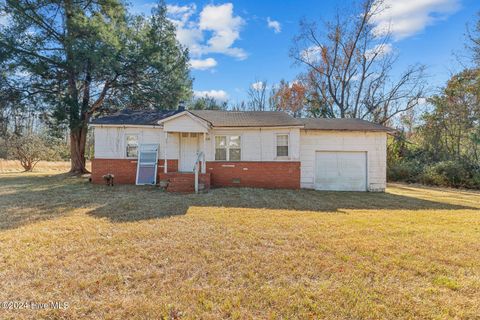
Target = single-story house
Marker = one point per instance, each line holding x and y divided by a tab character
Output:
239	148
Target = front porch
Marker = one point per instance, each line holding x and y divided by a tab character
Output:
191	134
191	146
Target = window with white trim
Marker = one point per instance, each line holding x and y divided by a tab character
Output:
131	142
282	145
228	148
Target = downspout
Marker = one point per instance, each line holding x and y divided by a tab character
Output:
261	143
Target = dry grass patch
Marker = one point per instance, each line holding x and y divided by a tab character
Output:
134	252
7	166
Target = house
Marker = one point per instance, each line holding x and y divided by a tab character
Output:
245	149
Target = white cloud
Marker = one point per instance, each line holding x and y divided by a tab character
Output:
188	33
275	25
259	85
311	54
203	64
406	18
218	95
380	50
184	11
225	28
215	30
422	101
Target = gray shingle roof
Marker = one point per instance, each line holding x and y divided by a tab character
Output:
240	119
247	118
135	117
342	124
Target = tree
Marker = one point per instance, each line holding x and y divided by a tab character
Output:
349	64
257	94
451	131
28	149
84	57
474	42
315	104
289	98
17	114
207	103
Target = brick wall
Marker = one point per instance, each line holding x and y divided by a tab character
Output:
124	170
271	175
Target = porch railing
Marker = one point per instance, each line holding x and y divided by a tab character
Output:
196	168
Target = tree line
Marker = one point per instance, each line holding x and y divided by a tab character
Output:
62	63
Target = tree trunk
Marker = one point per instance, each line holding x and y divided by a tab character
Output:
78	140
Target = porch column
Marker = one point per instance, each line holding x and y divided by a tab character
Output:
165	140
204	162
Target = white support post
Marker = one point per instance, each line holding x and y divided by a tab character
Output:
165	139
204	162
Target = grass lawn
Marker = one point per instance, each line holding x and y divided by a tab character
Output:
136	252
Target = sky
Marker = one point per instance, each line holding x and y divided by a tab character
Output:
234	44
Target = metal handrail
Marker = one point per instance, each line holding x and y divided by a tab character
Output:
200	154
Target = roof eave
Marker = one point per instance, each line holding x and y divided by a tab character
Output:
124	125
258	126
352	130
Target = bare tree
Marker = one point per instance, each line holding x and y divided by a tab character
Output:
289	97
29	150
257	94
349	67
473	41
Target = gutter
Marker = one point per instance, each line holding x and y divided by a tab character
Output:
124	125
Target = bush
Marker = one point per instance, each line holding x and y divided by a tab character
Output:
447	174
29	150
406	170
475	181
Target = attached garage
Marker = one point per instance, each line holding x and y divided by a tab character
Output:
343	155
341	170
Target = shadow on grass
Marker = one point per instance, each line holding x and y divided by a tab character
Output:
29	198
415	187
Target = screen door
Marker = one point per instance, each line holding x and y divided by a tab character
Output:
147	164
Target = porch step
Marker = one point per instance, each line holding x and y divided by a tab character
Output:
184	182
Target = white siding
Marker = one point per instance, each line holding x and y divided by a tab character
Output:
185	123
374	143
259	144
110	141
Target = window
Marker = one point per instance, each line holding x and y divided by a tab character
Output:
221	148
132	145
282	145
228	148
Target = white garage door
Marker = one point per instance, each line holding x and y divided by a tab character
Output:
341	171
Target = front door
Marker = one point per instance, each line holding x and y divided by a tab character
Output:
188	151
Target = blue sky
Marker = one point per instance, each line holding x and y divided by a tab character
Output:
236	43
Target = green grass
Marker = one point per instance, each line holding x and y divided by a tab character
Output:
136	252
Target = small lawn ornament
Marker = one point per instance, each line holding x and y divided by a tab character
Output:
108	178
